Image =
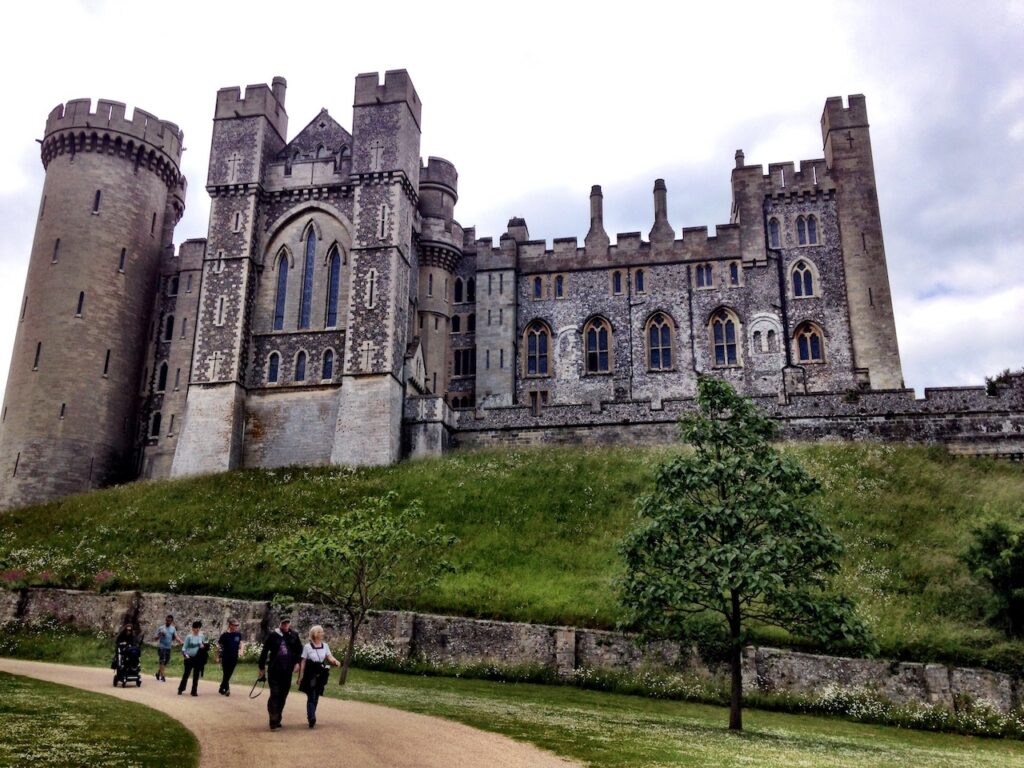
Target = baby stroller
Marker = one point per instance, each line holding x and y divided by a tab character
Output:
127	665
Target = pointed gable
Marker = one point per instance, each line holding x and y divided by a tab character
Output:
323	135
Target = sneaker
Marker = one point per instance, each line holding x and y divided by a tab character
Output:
312	723
194	693
180	692
274	726
227	693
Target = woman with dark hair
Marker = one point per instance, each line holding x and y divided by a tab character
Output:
190	650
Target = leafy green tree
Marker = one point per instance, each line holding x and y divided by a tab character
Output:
362	558
726	533
996	557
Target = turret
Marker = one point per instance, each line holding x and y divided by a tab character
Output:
112	194
847	144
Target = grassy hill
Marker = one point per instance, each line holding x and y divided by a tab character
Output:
537	533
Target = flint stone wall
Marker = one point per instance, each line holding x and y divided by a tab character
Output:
451	640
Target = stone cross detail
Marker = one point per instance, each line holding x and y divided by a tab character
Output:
368	349
218	358
234	162
376	154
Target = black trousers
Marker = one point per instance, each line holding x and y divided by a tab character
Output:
279	682
227	666
191	668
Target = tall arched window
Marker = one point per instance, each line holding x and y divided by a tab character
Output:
161	379
471	290
300	366
456	324
704	276
559	286
803	279
154	430
273	367
640	281
333	281
327	369
458	290
616	282
774	238
538	288
169	328
659	343
282	290
801	230
537	343
471	324
723	338
734	273
306	299
597	336
812	230
810	343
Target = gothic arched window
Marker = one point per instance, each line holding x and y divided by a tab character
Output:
559	286
597	336
300	366
639	281
810	343
812	230
471	324
282	290
456	324
273	367
306	298
154	430
471	290
537	341
803	279
801	230
161	379
169	328
333	281
774	240
458	290
659	343
538	288
734	273
327	369
616	282
723	328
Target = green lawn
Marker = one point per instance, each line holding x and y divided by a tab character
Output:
538	531
53	725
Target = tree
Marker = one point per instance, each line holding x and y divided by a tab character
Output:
996	557
366	556
725	534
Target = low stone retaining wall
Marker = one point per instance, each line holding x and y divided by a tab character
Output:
458	641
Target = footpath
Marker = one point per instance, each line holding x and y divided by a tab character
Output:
233	732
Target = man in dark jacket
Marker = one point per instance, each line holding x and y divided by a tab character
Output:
282	651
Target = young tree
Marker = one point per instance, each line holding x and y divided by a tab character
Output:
725	533
996	557
363	557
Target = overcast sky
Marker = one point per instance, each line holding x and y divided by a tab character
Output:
536	101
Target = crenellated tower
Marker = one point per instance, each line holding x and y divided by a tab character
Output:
385	179
112	195
248	130
847	140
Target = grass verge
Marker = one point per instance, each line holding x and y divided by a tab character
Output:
53	725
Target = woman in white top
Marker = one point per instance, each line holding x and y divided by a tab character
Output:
314	670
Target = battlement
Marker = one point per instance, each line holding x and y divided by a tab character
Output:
397	88
837	116
110	116
440	173
259	100
788	178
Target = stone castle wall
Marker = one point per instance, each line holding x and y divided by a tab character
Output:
450	640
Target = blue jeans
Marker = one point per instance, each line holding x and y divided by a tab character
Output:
312	697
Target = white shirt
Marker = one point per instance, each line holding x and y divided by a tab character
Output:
316	654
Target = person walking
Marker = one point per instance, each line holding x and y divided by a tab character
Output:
166	636
314	669
282	650
229	648
190	648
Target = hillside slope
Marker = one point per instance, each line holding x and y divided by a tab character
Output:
537	533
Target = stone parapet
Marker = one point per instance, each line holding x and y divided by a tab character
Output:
456	641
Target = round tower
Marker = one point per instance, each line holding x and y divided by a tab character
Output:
112	194
440	249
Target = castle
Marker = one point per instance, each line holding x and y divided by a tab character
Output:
338	313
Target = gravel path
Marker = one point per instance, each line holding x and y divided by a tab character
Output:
233	732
